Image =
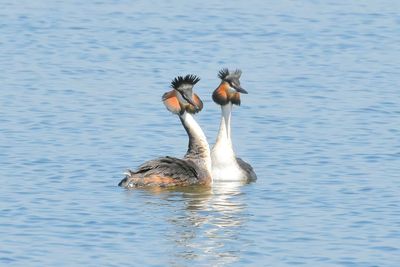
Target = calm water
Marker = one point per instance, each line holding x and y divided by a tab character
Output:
80	88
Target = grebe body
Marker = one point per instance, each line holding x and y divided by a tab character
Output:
225	164
195	167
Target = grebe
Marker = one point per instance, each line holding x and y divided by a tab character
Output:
195	167
225	165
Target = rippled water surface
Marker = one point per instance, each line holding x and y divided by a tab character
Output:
80	88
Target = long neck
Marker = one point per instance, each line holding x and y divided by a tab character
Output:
198	150
224	134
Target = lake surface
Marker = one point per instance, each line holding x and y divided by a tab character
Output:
80	89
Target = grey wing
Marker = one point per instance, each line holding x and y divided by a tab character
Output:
251	175
168	166
162	171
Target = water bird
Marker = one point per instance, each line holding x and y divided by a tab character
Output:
195	167
225	165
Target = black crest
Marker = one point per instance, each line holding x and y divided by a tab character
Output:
224	74
188	79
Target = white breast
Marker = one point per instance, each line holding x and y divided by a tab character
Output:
224	164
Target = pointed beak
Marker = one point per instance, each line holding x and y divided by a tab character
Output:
189	99
241	90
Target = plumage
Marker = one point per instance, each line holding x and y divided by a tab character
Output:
191	109
225	164
225	74
188	79
222	74
171	102
229	88
247	168
220	95
177	172
235	98
195	167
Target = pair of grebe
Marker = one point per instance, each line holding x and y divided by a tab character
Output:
200	165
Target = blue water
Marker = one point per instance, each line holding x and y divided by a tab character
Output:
80	89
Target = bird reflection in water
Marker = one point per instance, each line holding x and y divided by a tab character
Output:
207	225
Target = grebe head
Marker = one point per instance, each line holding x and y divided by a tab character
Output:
182	98
229	90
